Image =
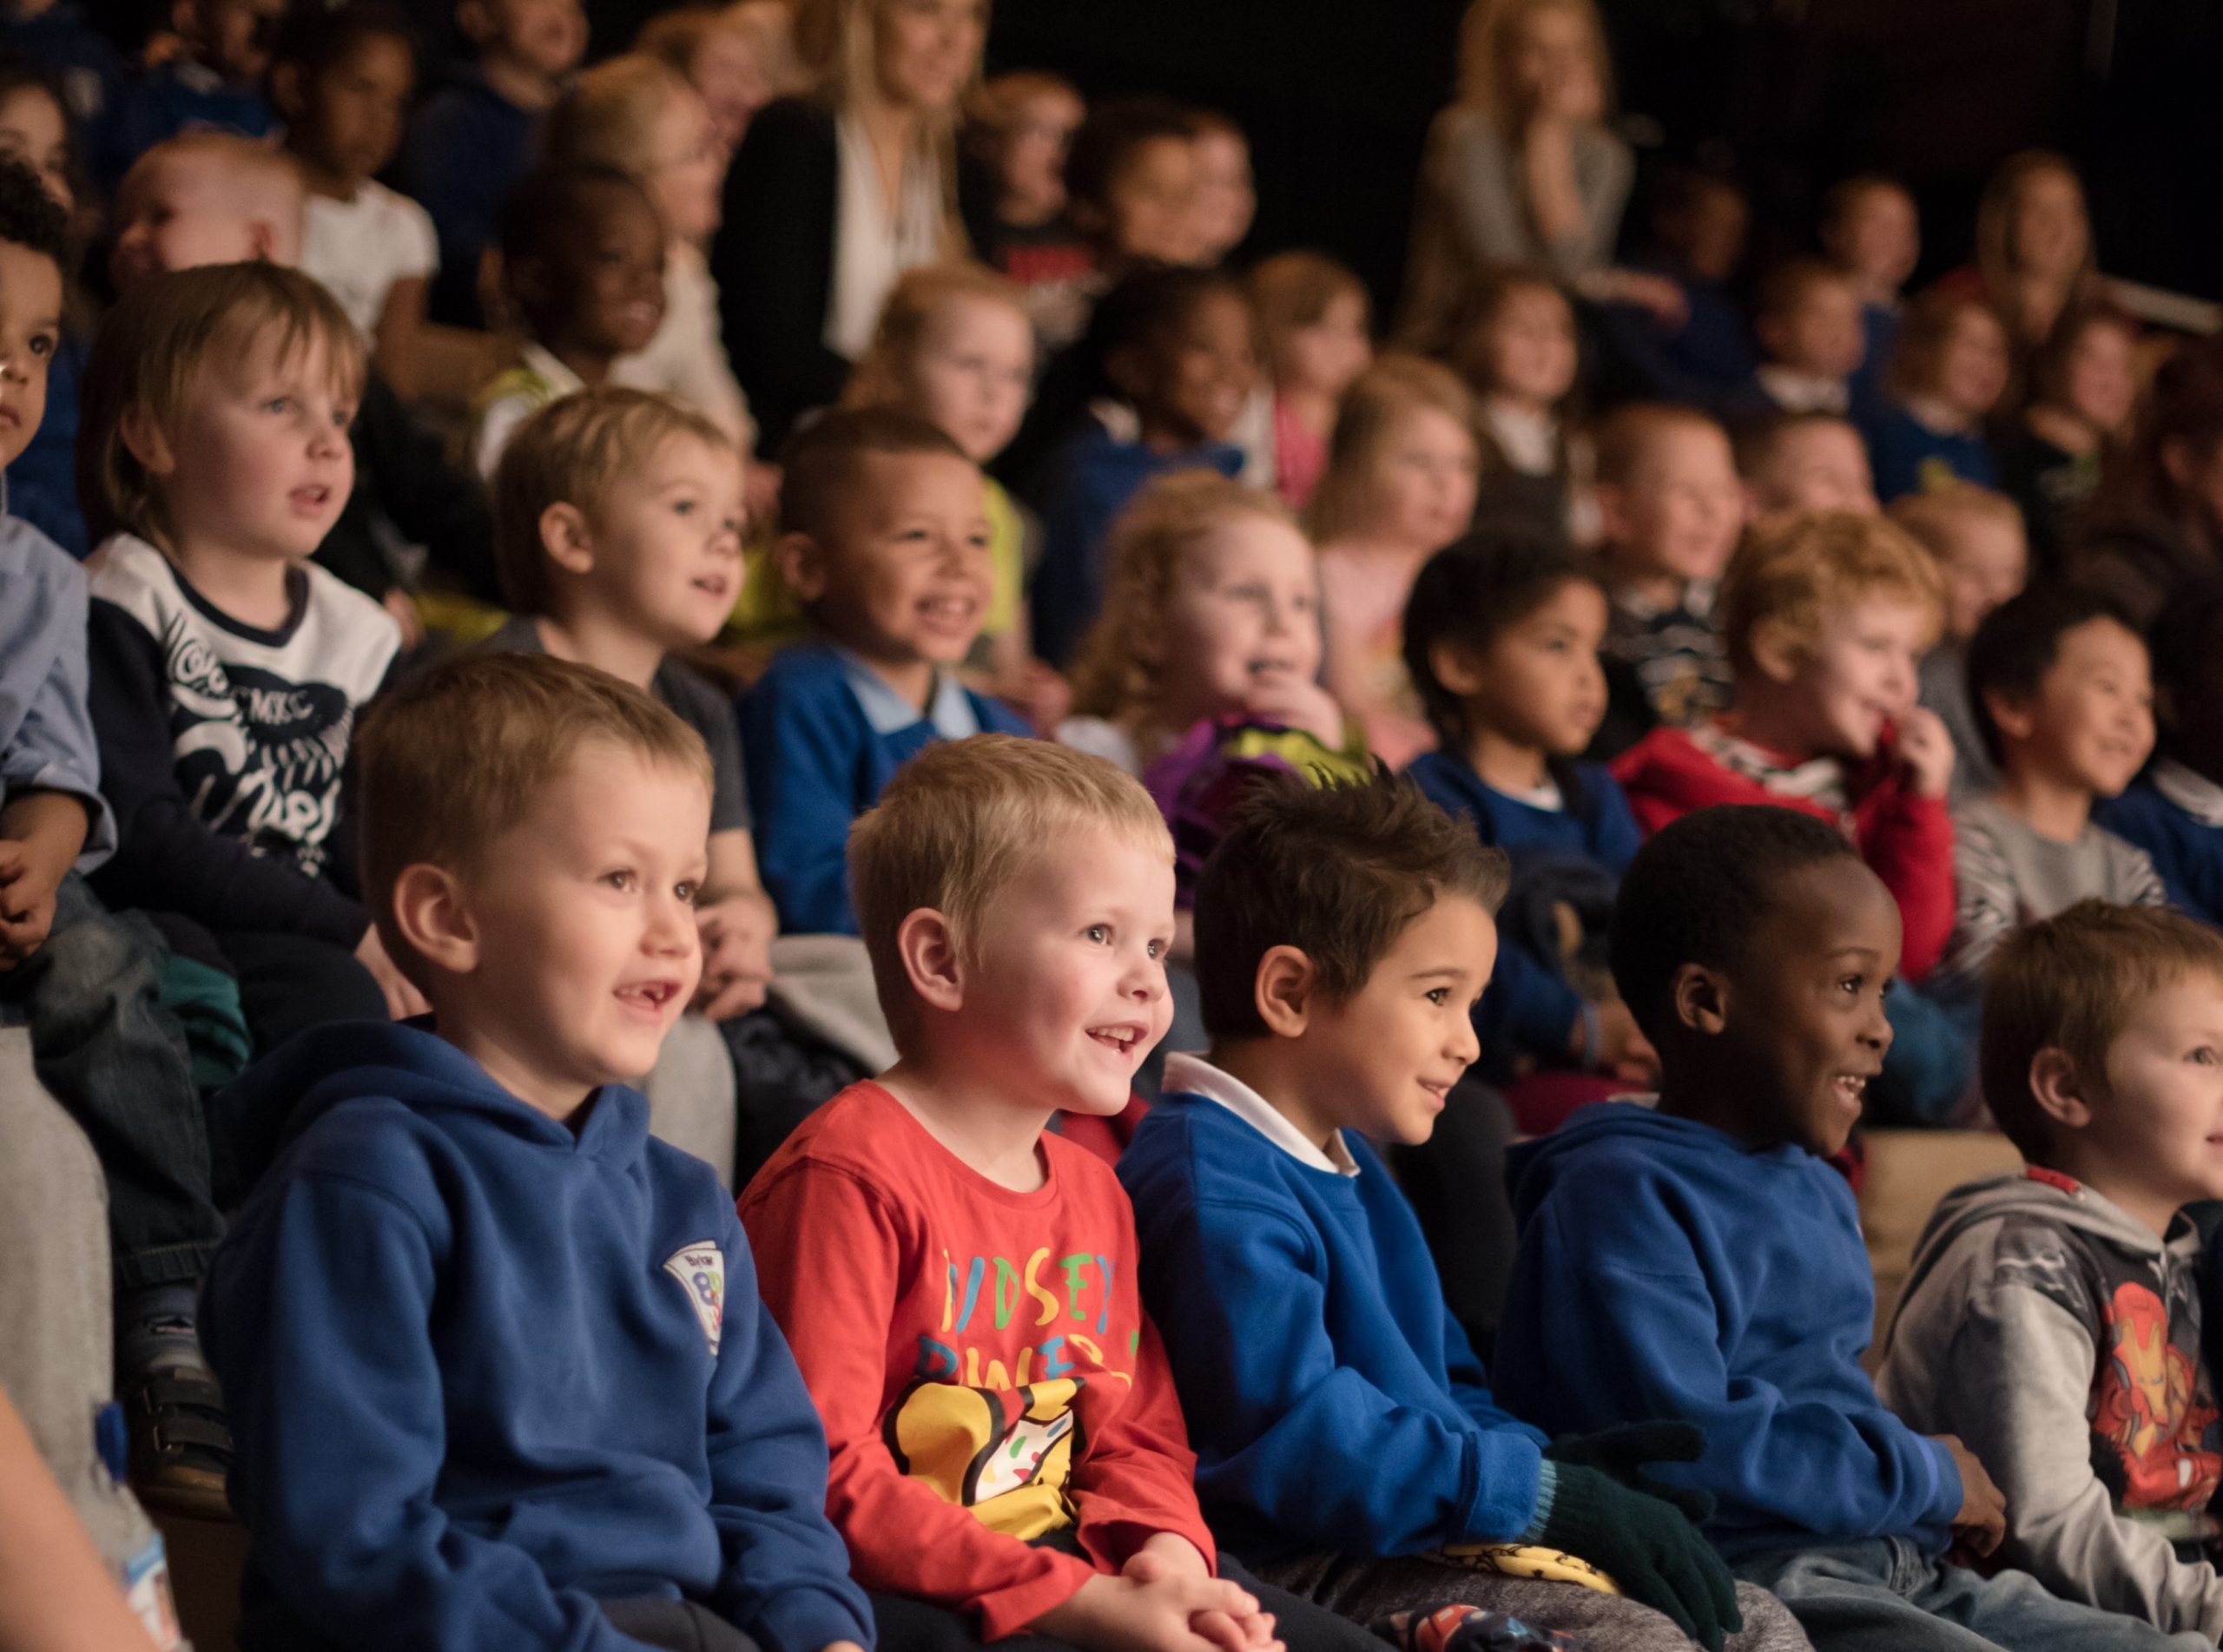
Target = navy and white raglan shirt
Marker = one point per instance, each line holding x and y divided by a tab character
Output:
222	745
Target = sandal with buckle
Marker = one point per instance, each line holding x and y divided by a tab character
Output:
180	1443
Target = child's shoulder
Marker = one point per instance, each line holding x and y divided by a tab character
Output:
35	570
805	673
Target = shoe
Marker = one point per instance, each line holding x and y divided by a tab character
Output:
181	1443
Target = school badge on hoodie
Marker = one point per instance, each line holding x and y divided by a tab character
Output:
701	1271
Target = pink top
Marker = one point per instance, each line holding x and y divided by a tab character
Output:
1300	454
1362	600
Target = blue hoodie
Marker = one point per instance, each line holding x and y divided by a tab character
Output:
1333	1402
484	1373
1667	1270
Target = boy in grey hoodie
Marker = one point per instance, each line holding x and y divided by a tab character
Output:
2053	1320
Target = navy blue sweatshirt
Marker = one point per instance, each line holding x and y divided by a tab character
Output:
1333	1402
483	1372
1667	1270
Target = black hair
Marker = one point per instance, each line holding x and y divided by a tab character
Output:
1695	893
30	217
542	215
2018	641
2183	640
314	37
1108	138
1467	593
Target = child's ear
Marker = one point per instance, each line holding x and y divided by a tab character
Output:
1456	668
1285	991
144	440
801	563
2057	1088
1700	999
1775	651
433	917
1613	512
264	242
2015	716
565	536
928	949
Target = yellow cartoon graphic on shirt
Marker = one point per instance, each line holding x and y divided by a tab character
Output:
1004	1453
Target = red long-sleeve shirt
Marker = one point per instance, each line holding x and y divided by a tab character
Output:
979	1356
1906	838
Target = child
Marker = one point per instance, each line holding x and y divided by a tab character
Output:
2059	684
2157	523
738	57
2083	395
1699	1261
1795	463
1400	485
1005	1443
1811	340
1176	347
1976	537
206	198
1871	231
638	116
1313	337
1948	372
1698	349
885	540
1132	183
227	668
61	39
954	347
1518	355
1227	198
471	143
2174	811
641	1465
582	261
617	526
2053	1320
214	83
35	130
1823	622
1020	129
1669	510
342	80
1346	1437
1502	638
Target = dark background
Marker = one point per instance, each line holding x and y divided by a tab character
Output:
1787	96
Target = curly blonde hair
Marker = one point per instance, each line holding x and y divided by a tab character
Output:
1781	586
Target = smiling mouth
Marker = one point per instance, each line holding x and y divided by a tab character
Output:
950	613
649	996
1852	1088
1122	1039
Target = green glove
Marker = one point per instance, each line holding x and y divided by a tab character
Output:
1622	1453
1647	1547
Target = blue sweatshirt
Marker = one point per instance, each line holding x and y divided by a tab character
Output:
818	755
1529	1005
1091	483
1667	1270
1334	1404
1908	456
2186	848
179	96
483	1372
466	149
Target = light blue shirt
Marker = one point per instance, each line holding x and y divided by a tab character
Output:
46	732
948	708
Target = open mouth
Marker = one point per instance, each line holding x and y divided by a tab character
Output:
310	500
648	997
1125	1039
950	613
714	586
1850	1088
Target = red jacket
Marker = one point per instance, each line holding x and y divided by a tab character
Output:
1906	839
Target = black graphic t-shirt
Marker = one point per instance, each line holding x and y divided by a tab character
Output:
222	745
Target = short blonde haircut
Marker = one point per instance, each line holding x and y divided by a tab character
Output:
609	116
1783	585
257	179
153	346
956	823
1488	43
1373	410
882	375
1935	518
1630	429
453	757
1116	673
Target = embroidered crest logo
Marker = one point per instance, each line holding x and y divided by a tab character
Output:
701	1271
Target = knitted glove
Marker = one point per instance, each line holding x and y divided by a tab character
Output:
1621	1454
1648	1548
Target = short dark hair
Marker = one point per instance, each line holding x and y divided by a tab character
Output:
1468	592
314	37
1698	890
1107	139
1336	870
30	217
819	462
2070	983
2018	641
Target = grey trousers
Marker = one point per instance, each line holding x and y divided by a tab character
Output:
692	1095
676	1626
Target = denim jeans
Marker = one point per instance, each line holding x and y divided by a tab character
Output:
116	1060
1883	1595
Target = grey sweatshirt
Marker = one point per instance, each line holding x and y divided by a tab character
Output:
2060	1340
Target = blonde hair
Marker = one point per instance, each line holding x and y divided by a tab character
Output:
1933	518
956	823
1373	410
1293	290
1489	38
257	177
609	117
1781	586
454	756
882	377
153	346
1629	430
570	452
1147	545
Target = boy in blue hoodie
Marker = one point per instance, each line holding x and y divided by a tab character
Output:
885	540
1347	1444
498	1368
1700	1259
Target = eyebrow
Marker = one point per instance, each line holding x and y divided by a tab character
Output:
1447	971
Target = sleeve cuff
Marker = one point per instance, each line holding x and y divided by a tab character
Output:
1548	1492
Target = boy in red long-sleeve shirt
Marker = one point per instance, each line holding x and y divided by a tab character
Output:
1826	619
958	1285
